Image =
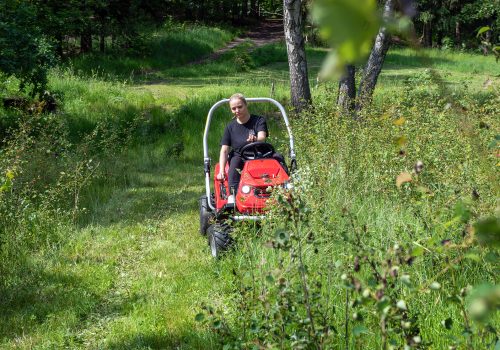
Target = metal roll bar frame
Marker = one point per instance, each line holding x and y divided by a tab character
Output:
206	159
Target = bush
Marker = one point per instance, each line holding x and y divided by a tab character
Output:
26	53
43	179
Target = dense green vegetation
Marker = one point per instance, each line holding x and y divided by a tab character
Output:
99	244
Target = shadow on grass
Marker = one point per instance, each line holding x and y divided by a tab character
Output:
159	195
189	340
35	297
118	66
54	305
395	61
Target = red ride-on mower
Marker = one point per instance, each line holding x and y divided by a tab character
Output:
260	174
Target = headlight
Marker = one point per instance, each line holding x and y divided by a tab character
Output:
245	189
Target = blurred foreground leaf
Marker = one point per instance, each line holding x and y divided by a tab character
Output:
488	232
482	30
349	26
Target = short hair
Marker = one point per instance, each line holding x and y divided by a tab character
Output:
238	96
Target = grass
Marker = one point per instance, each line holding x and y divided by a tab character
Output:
133	271
157	49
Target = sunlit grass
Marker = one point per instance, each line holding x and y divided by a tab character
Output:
134	270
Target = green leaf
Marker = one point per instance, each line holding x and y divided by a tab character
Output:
270	279
417	251
383	303
359	329
473	257
482	30
406	280
454	299
488	232
199	317
435	286
282	237
462	212
349	26
491	257
401	305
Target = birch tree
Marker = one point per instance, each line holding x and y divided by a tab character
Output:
299	80
376	59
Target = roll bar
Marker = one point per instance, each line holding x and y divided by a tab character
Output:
206	159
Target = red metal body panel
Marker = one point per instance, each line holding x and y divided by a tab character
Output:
219	200
261	175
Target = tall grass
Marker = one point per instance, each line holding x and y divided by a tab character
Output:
122	266
157	49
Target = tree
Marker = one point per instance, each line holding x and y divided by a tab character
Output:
376	60
347	90
297	62
26	53
448	22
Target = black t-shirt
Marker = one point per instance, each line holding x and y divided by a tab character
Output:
236	134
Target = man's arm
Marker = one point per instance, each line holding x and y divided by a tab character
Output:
224	151
261	136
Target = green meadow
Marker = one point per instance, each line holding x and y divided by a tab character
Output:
100	243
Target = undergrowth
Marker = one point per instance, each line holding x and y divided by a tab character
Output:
390	237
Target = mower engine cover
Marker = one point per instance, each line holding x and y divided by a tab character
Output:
258	178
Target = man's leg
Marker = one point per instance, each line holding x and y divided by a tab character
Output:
234	173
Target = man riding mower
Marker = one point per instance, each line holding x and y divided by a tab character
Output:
242	182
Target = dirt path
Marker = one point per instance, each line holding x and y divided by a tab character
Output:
266	32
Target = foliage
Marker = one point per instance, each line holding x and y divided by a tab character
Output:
349	27
354	257
26	52
455	19
129	270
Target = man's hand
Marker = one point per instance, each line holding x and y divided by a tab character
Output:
251	138
221	176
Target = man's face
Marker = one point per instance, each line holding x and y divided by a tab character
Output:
238	108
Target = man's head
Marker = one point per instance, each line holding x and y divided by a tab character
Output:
238	105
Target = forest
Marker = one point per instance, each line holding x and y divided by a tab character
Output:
387	238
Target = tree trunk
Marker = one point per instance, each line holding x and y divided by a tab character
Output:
428	34
458	36
102	43
299	80
86	40
235	12
244	8
376	60
59	45
200	15
254	13
347	90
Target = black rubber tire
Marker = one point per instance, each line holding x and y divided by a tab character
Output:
219	239
206	215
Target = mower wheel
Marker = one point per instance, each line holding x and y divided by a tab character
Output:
219	239
205	215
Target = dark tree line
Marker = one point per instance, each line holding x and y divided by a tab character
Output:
455	22
33	33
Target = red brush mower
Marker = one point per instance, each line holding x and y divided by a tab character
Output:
260	174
